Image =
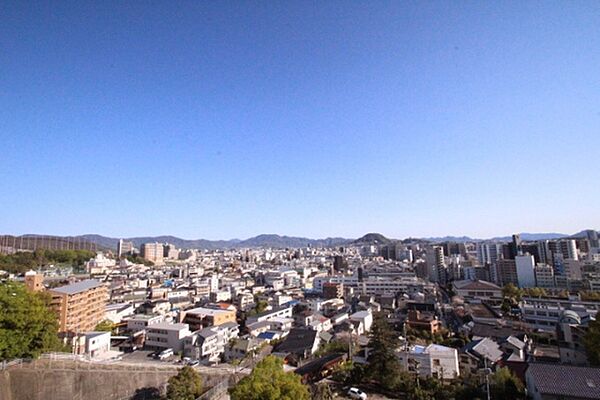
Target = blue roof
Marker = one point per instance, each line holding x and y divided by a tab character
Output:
267	335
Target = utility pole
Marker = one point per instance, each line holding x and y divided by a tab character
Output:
487	371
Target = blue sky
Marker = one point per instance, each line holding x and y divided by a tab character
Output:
231	119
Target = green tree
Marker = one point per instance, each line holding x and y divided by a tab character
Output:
384	366
186	385
512	292
104	326
505	385
268	381
322	391
591	340
27	326
335	346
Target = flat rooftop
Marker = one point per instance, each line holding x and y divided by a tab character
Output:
78	287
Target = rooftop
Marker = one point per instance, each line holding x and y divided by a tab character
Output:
78	287
582	382
168	327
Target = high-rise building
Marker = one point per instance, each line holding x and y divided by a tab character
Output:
544	275
153	252
489	253
568	248
439	271
515	246
592	236
525	265
80	306
170	252
506	272
339	264
124	248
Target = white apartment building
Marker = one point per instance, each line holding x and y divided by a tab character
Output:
140	322
280	312
164	336
374	284
431	361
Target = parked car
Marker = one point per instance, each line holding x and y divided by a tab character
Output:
163	355
193	363
356	393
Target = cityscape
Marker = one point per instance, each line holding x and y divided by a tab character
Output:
299	200
497	316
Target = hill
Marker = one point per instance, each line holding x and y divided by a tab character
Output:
372	239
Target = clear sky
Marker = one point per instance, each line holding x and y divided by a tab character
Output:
215	119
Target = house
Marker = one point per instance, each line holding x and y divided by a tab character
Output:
479	354
554	382
164	336
116	312
279	312
208	344
426	321
300	342
431	361
97	343
140	322
365	318
241	348
320	368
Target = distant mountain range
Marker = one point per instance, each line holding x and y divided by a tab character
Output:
278	241
274	241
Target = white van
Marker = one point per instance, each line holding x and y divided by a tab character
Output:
165	354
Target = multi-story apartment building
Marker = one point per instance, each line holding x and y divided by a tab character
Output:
375	285
431	361
506	272
80	306
166	336
544	275
153	252
203	317
124	247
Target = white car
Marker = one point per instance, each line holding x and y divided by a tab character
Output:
355	393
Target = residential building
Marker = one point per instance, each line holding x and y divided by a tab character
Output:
506	272
333	290
34	281
124	248
203	317
97	343
166	336
555	381
544	276
153	252
433	360
208	344
80	306
140	322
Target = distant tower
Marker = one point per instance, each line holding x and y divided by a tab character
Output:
515	246
34	281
